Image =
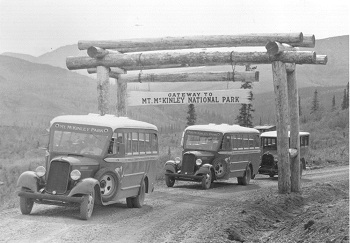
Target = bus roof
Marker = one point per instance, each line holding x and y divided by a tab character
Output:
106	121
273	134
223	128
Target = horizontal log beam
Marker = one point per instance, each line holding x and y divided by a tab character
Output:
189	42
308	41
189	58
321	59
246	76
252	76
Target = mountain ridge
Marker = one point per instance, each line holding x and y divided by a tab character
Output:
35	93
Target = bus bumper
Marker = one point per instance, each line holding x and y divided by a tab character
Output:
184	177
268	171
50	199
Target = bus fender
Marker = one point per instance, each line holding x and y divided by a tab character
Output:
85	186
170	166
30	180
204	169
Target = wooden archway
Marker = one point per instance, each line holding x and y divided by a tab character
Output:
114	58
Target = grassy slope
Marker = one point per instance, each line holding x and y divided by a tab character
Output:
32	94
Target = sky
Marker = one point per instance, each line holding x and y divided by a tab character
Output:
36	27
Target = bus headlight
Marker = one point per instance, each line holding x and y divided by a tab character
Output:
198	162
177	160
40	171
75	175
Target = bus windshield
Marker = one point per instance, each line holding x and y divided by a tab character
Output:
199	140
270	143
78	143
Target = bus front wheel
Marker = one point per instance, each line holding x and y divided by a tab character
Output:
169	180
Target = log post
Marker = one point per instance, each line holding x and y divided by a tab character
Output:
103	89
281	103
121	96
294	127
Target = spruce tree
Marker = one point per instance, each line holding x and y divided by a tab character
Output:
333	103
315	105
245	117
191	117
343	104
347	96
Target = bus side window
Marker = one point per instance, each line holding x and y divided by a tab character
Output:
245	141
128	146
147	143
135	143
142	143
227	143
304	140
238	143
256	142
120	145
111	147
251	141
154	144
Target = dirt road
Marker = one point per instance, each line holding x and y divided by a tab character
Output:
184	213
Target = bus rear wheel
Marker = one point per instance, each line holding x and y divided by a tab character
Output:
245	180
137	202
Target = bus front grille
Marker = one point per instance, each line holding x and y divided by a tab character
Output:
267	160
57	179
188	164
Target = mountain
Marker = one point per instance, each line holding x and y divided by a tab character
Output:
32	93
56	58
335	73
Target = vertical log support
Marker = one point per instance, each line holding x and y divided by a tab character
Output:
121	96
281	102
103	89
294	127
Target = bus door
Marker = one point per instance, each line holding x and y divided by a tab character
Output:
238	159
141	151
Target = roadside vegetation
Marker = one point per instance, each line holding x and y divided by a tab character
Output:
21	145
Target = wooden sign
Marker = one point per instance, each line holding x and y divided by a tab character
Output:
232	96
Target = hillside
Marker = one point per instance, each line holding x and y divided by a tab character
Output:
336	72
33	93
